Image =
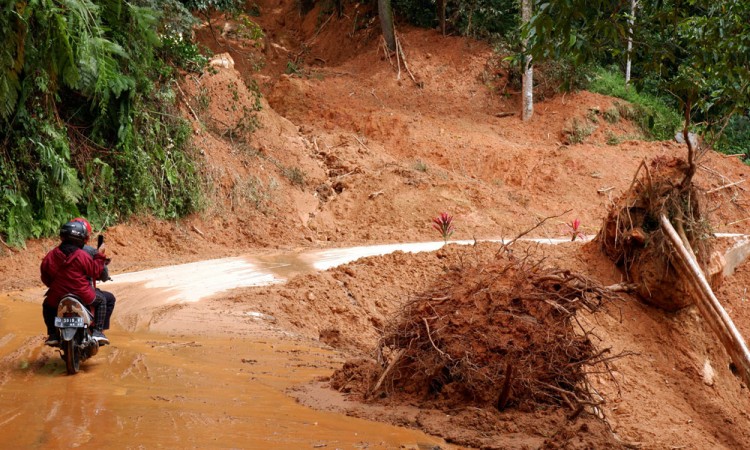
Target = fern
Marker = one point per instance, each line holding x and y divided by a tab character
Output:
83	127
11	57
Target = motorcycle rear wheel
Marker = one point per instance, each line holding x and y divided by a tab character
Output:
72	356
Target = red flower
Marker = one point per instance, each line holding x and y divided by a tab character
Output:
444	225
575	231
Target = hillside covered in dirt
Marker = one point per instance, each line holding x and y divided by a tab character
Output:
310	137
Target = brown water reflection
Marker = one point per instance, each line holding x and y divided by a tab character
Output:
154	390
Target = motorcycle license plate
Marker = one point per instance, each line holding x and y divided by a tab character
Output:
67	322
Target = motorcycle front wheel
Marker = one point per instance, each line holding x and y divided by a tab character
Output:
72	356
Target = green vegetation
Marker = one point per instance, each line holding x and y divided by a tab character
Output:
293	69
420	166
578	130
695	55
690	60
88	113
656	118
613	139
295	175
254	191
736	137
494	19
612	115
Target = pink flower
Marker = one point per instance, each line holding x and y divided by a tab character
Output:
444	225
575	231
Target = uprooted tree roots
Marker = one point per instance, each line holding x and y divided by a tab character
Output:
632	238
495	336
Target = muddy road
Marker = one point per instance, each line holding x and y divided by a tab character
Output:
152	390
200	359
197	378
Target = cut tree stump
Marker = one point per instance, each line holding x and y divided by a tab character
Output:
707	303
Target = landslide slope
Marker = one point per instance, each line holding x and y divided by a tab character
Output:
346	151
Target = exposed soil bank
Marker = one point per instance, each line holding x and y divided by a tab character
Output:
346	154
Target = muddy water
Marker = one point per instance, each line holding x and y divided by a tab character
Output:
153	390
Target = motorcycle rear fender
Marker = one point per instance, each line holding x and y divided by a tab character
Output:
68	333
70	304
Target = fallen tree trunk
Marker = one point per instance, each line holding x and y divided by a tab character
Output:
707	303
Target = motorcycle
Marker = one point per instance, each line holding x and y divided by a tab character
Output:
74	322
75	325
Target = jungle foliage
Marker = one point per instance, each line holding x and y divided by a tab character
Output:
687	55
88	117
697	53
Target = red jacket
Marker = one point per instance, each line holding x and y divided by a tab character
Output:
70	275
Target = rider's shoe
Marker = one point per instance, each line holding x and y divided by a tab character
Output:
100	337
52	341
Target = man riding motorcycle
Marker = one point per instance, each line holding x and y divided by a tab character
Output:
67	269
108	297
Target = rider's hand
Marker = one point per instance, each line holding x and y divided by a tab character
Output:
103	249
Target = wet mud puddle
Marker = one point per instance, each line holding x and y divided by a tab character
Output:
180	391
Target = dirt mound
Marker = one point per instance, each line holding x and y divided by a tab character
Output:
496	335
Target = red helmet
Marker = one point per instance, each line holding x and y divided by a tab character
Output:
85	222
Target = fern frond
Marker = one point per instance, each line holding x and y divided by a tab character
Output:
12	33
9	87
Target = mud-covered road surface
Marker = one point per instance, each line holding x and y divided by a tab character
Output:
218	389
219	381
185	372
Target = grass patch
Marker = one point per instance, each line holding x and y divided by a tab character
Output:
295	175
612	115
420	166
653	115
254	191
578	130
736	137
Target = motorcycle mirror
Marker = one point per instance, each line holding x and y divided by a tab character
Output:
99	241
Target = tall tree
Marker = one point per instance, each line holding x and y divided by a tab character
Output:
441	14
631	22
527	82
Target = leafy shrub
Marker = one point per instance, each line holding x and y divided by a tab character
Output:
653	115
421	14
612	115
88	115
551	76
206	6
292	68
481	18
578	130
736	136
613	139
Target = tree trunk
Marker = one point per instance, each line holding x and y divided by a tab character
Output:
708	305
692	166
631	21
441	14
386	22
528	71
